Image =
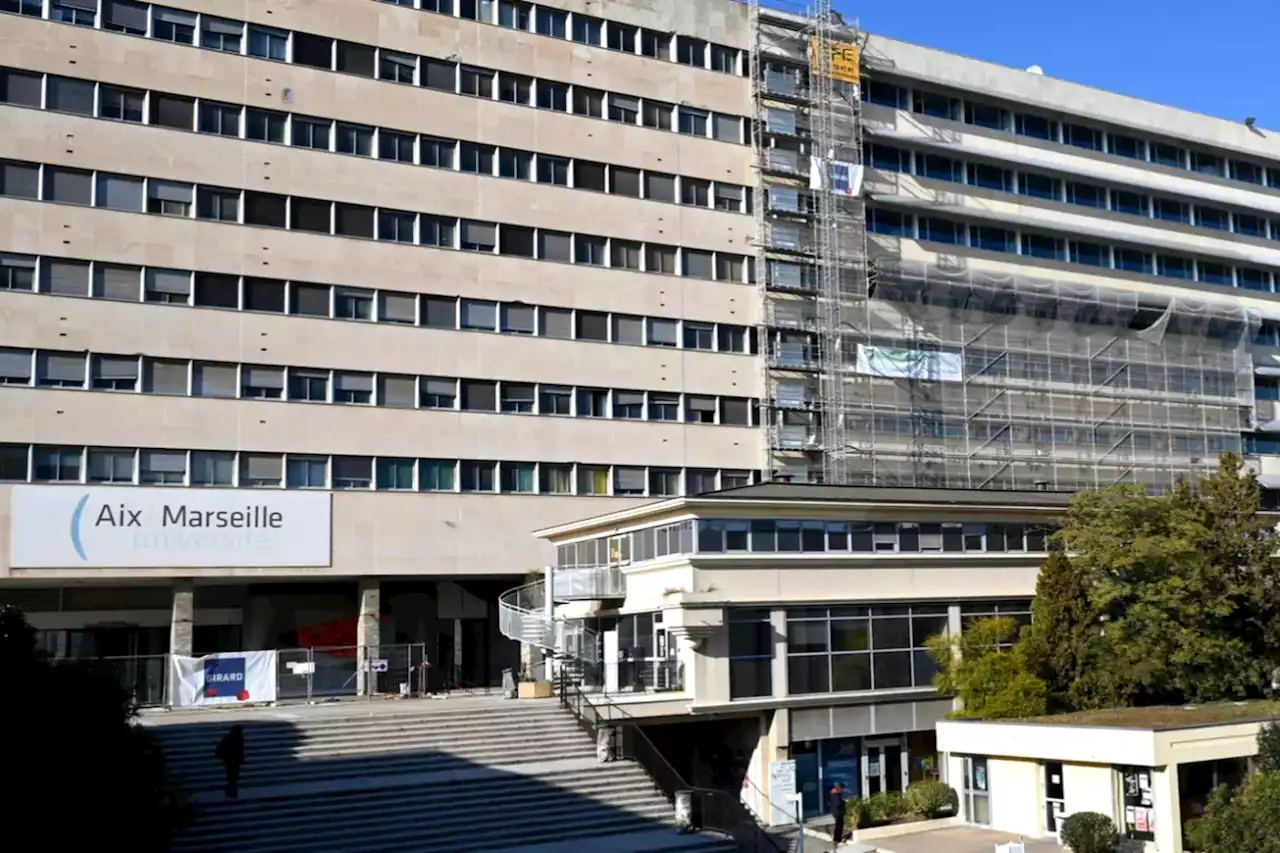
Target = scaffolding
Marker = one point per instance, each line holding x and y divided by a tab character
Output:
885	372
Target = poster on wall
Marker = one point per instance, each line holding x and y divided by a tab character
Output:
224	679
782	789
1139	805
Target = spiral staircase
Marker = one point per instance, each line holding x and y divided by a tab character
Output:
523	616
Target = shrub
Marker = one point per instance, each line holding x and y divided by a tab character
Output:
1089	832
858	814
930	799
887	806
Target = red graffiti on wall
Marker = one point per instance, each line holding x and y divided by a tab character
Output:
336	639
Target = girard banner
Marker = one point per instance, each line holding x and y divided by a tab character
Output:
224	679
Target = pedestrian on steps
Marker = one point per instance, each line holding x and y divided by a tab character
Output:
837	815
231	753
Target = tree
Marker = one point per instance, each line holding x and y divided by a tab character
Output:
69	729
1242	820
987	672
1268	757
1064	637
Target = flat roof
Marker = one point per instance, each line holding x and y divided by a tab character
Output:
1163	717
775	490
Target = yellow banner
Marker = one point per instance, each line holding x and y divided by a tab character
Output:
845	60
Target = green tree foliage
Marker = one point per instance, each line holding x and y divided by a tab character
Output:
1268	757
1150	601
987	672
1089	832
72	746
1243	820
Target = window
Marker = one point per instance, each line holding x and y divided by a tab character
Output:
173	111
69	186
553	246
656	114
751	636
261	294
313	51
175	26
219	34
310	300
514	88
437	74
260	470
354	139
592	403
695	192
214	380
171	286
395	474
664	407
1168	155
659	258
169	198
726	128
262	383
623	181
350	220
593	480
588	102
436	475
436	231
476	476
18	272
588	175
628	481
517	398
555	323
268	43
477	82
476	159
15	366
19	180
517	319
514	14
396	146
624	254
83	13
479	236
437	152
397	67
438	393
222	205
729	267
479	315
165	376
1212	217
110	466
590	250
212	468
440	312
729	197
551	22
1133	260
555	479
691	51
34	8
664	481
57	464
71	96
553	96
698	264
353	388
311	132
119	192
216	291
555	400
1042	246
162	467
310	386
397	392
693	122
13	463
628	405
662	333
553	170
479	395
592	326
117	103
1090	254
307	472
515	164
396	226
699	410
655	44
1039	186
624	108
311	214
64	278
219	119
265	125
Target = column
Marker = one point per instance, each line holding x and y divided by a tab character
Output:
778	671
1168	808
368	633
182	620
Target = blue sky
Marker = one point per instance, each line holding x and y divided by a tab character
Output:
1215	58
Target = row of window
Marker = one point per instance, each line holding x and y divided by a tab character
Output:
125	283
184	377
766	536
586	29
1050	247
135	194
846	648
1023	122
397	67
154	467
1040	185
101	100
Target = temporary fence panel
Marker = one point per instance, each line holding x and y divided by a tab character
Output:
142	677
294	668
223	679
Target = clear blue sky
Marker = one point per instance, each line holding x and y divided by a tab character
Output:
1211	57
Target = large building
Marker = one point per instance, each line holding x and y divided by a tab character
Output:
470	268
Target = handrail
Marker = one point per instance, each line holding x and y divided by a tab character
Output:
713	810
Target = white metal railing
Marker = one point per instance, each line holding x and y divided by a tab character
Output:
587	584
522	616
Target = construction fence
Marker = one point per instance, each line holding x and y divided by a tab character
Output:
275	675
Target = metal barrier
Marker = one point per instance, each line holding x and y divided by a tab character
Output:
302	674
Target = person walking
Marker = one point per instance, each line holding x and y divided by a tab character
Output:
231	753
837	815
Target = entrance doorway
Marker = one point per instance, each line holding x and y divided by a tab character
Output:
883	767
977	796
1055	802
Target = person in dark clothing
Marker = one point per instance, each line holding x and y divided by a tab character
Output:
837	814
231	753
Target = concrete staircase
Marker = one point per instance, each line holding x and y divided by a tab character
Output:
451	776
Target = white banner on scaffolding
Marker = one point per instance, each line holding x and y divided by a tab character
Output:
894	363
842	178
224	679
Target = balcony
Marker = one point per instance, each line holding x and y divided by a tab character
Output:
595	583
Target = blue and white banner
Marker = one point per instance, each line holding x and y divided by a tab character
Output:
223	679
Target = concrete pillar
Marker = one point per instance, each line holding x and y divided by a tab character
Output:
1167	802
778	667
368	633
183	618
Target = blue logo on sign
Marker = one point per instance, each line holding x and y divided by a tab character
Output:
75	527
223	677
